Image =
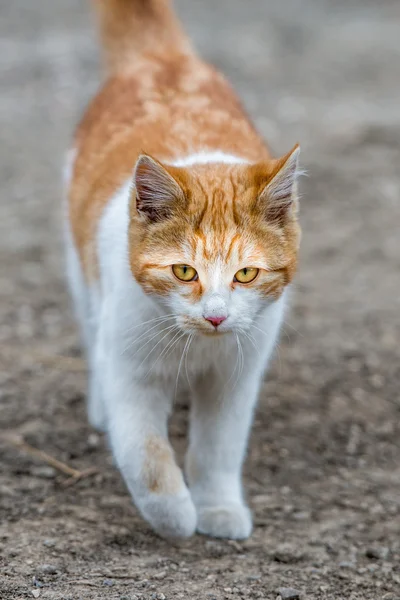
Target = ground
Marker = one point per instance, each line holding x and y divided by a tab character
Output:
323	467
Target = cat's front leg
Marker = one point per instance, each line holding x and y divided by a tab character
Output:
137	414
221	418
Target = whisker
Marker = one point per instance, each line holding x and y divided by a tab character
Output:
180	364
258	329
155	346
169	346
148	341
234	369
278	351
276	346
155	319
251	339
294	329
143	335
191	337
241	362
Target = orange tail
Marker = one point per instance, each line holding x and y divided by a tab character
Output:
132	27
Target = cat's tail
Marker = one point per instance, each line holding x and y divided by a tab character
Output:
130	28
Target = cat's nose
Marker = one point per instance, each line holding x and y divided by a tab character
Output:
215	320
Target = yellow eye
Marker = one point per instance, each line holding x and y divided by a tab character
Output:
246	275
184	272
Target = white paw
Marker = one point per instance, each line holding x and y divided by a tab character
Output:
227	521
172	516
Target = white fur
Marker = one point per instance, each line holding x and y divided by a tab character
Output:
204	158
139	362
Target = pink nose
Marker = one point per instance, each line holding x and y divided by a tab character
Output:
215	320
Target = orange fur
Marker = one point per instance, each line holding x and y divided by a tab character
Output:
160	98
160	473
222	220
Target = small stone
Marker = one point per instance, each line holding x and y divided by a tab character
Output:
49	543
288	554
43	472
46	569
346	565
125	598
108	582
35	593
160	575
288	593
302	515
93	440
160	596
343	575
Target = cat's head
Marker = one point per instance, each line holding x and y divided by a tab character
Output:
216	242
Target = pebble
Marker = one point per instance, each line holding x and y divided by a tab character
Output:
46	569
35	593
43	472
108	582
288	593
160	575
93	440
287	554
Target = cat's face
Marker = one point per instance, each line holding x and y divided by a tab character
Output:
217	242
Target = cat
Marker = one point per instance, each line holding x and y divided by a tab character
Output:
182	238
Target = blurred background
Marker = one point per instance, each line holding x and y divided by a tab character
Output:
323	470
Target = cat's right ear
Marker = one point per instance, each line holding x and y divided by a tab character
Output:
157	192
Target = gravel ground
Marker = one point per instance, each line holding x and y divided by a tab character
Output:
323	468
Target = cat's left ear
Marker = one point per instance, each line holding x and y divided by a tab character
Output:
157	192
279	194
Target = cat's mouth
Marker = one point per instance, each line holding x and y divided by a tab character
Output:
204	327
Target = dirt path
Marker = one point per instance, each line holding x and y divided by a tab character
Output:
323	471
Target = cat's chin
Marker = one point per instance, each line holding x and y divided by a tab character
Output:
208	332
215	333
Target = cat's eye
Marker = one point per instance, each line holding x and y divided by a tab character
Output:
246	275
184	272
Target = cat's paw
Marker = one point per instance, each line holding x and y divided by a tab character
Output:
231	521
170	516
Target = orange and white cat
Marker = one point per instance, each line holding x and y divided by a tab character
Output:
182	238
